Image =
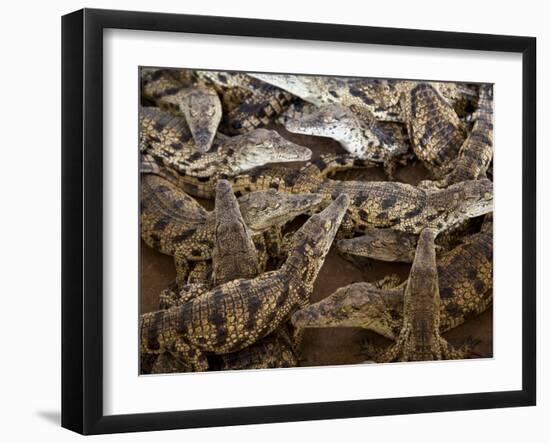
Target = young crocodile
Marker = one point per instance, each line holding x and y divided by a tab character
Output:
199	104
234	256
387	244
238	313
419	338
373	204
380	98
465	288
435	130
173	223
347	112
367	141
168	140
380	204
247	103
477	151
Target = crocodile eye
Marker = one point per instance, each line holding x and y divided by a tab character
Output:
274	205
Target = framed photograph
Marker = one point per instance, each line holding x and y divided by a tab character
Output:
269	221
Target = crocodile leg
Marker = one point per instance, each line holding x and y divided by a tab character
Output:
182	267
201	273
174	295
169	296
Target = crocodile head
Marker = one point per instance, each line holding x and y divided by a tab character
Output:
302	86
328	121
339	123
462	201
239	260
359	305
263	146
381	244
203	111
264	209
311	243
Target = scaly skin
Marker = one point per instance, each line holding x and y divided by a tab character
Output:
200	105
237	314
378	98
373	204
175	224
371	142
221	82
387	244
262	178
477	151
384	244
435	130
257	107
167	138
273	351
420	339
410	209
465	288
234	254
247	103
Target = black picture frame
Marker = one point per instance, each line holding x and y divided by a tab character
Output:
82	219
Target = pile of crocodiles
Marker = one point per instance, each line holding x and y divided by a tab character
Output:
246	270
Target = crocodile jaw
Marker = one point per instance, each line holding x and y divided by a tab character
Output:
355	305
275	209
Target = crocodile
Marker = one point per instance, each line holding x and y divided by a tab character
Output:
234	253
200	105
168	140
276	350
235	315
465	288
234	256
245	103
420	337
173	223
370	141
250	103
387	244
476	152
375	204
435	130
371	98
